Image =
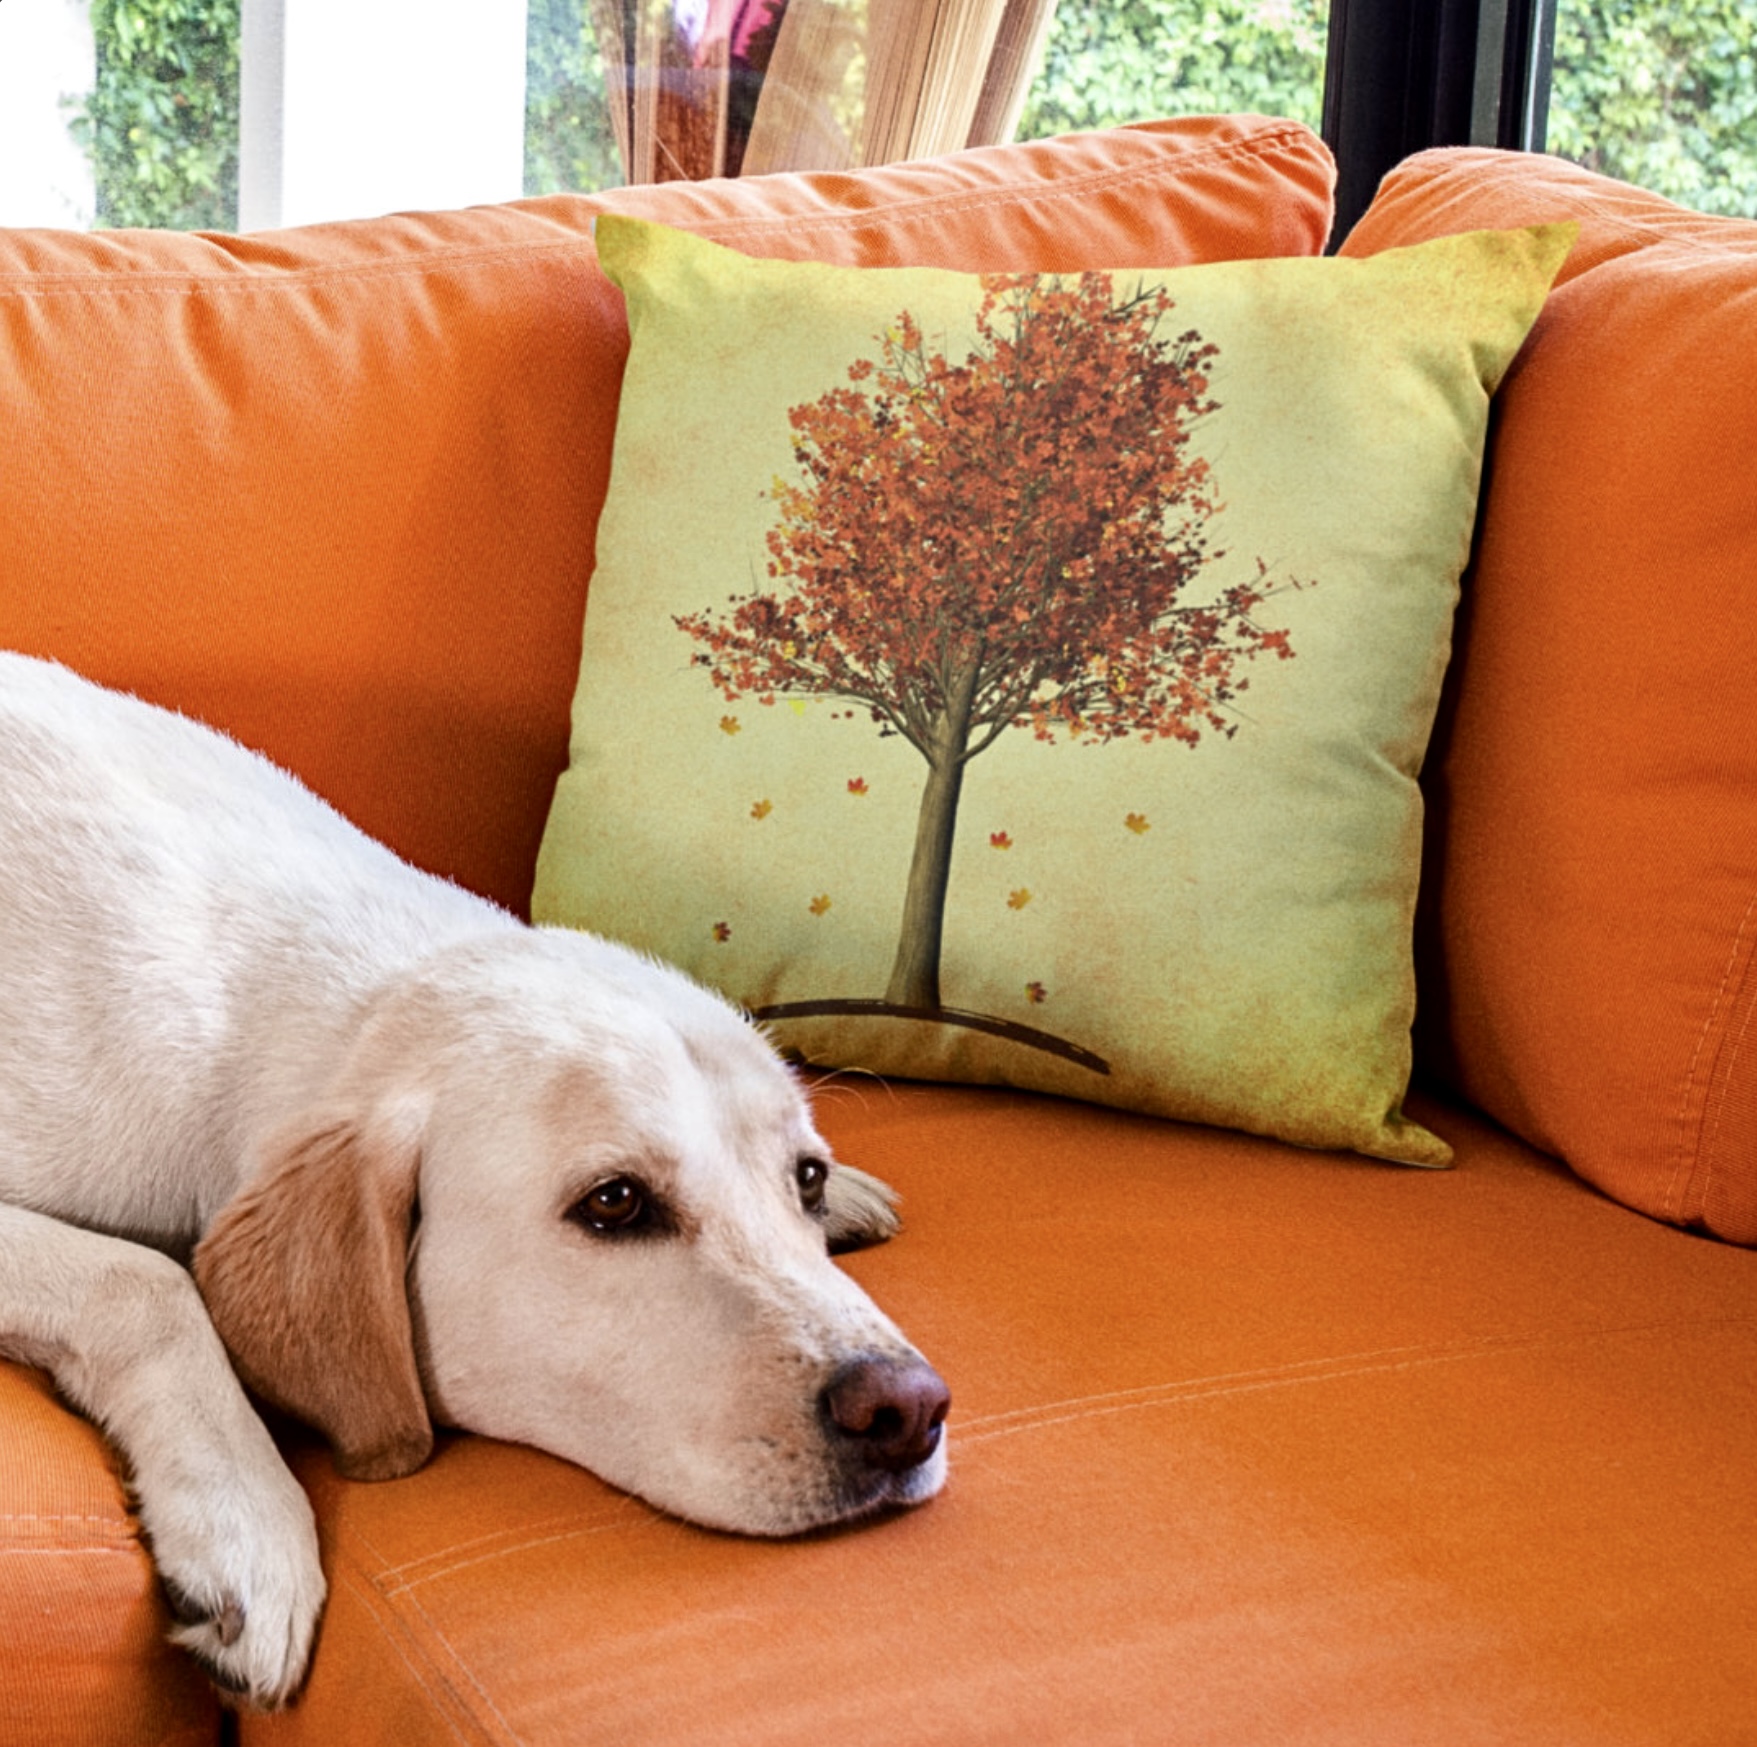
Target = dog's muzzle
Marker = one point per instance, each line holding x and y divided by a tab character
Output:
885	1415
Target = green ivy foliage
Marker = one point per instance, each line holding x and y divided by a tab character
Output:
1123	60
568	139
161	124
1662	95
1658	92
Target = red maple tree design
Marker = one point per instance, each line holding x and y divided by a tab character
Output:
997	543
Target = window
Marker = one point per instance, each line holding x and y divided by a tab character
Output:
569	140
46	52
1665	96
223	113
1661	92
1121	60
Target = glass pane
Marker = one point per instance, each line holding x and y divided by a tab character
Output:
161	124
45	68
1662	93
133	105
569	141
1111	61
729	87
129	110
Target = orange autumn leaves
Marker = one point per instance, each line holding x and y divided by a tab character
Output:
1022	522
995	542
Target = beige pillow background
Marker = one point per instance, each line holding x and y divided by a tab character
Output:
1179	866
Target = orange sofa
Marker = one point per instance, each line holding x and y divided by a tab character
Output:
1249	1445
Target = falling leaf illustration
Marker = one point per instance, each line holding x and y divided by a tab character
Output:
1019	899
1036	994
999	840
762	809
1138	823
729	724
722	932
857	785
819	904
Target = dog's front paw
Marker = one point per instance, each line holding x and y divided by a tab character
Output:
858	1209
240	1569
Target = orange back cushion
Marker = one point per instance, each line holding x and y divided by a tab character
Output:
1592	914
334	490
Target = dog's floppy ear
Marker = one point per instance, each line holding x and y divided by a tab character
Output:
859	1210
303	1276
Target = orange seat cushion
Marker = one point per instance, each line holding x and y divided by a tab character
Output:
1248	1445
334	489
83	1656
1590	954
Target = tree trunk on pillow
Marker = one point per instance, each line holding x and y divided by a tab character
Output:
915	976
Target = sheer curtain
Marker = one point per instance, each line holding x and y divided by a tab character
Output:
737	87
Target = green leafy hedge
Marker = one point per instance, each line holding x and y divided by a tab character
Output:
1658	92
568	140
1122	60
1662	95
161	124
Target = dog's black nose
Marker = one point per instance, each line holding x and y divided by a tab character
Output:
891	1408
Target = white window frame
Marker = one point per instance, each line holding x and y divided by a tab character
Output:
46	57
353	108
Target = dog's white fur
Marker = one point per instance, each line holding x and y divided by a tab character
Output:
234	1029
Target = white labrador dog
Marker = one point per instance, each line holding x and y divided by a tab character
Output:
425	1162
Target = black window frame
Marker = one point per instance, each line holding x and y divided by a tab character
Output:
1403	75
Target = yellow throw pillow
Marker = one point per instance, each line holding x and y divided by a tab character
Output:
1023	679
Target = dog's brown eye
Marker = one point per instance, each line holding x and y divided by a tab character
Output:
614	1206
811	1175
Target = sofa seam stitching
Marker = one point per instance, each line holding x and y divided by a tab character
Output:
1686	1160
977	198
1295	1371
463	1669
409	1570
1723	1078
1578	201
25	284
272	279
71	1550
419	1668
1391	1359
398	1583
387	1596
39	1516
